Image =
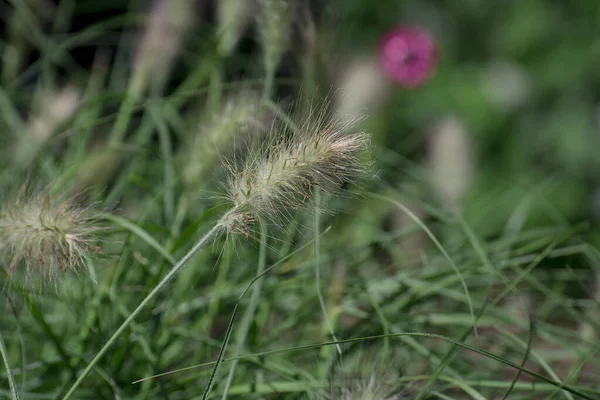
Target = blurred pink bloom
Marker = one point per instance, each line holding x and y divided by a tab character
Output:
407	54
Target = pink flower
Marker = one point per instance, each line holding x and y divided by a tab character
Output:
407	54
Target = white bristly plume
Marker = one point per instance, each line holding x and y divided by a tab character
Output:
451	161
281	176
232	17
362	88
161	42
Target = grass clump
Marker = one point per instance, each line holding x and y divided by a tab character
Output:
468	264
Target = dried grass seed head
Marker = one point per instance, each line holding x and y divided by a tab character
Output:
56	106
275	25
367	376
53	108
282	175
232	18
239	115
161	41
451	161
362	87
47	234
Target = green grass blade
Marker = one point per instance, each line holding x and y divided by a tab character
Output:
142	234
176	269
487	354
438	245
518	374
169	168
326	317
249	315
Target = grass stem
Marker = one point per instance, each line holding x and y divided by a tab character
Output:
176	269
249	316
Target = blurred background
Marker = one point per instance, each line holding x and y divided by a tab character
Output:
518	84
495	147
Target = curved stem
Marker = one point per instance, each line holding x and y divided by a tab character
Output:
247	321
177	268
326	316
123	118
11	379
268	85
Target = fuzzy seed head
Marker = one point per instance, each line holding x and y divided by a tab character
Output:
282	176
368	378
54	108
161	42
507	85
232	16
362	87
373	388
46	235
275	23
451	161
215	136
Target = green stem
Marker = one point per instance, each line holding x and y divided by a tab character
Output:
215	88
243	332
220	286
125	112
268	87
11	379
177	268
328	325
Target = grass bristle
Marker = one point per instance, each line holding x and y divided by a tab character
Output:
282	175
47	234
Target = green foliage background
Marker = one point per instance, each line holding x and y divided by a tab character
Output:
525	244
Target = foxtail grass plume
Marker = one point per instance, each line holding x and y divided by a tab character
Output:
239	115
507	85
46	234
451	161
282	175
55	107
168	22
362	88
372	388
232	17
275	25
367	377
17	46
